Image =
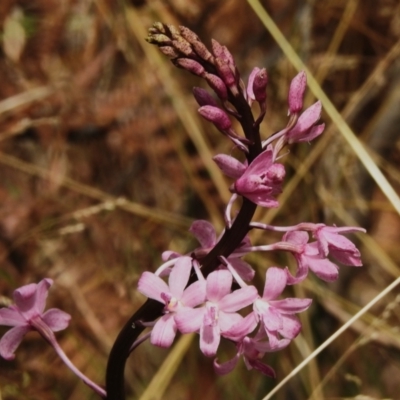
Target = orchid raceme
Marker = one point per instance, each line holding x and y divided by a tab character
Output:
209	290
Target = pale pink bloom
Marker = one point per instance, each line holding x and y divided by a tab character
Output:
28	314
331	241
277	316
262	180
218	314
308	256
252	350
175	296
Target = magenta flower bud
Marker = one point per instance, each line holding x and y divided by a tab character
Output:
223	53
190	65
296	92
260	85
204	98
217	84
226	74
230	166
217	116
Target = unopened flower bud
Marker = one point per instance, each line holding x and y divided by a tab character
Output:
217	84
159	26
226	75
223	53
169	51
260	85
296	92
217	116
190	65
204	98
183	46
174	32
188	34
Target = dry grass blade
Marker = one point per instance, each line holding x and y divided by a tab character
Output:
124	204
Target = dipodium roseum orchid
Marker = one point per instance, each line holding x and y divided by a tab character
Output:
262	181
28	314
206	291
219	313
174	296
277	316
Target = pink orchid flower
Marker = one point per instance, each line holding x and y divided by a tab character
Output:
27	315
262	180
331	242
218	314
175	296
277	316
308	256
252	350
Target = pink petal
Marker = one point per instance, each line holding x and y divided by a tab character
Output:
152	286
11	317
260	164
307	119
226	367
244	270
195	294
230	166
41	294
25	298
324	269
204	232
238	299
302	272
11	340
263	368
227	320
56	319
179	276
189	319
291	305
272	319
275	283
209	339
249	90
218	285
242	328
347	258
291	327
296	237
169	255
164	331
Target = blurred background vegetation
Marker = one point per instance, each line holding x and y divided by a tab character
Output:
104	163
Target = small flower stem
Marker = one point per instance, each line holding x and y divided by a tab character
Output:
60	352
